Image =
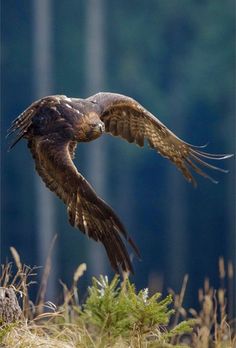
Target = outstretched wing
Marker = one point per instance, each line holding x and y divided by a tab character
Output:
85	209
125	117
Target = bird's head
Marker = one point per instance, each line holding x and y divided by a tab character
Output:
83	118
90	128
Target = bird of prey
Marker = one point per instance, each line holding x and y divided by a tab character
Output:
55	124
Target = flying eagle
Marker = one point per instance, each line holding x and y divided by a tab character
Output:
55	124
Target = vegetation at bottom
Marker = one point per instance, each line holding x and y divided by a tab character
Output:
114	314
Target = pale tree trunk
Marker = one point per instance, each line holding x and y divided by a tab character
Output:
230	202
42	81
176	250
95	81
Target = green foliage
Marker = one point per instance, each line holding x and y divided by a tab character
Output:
182	327
113	315
117	309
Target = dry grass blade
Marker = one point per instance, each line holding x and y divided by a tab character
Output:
178	303
16	258
5	275
79	273
20	281
43	285
48	315
231	293
32	336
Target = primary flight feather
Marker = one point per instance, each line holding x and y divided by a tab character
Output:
55	124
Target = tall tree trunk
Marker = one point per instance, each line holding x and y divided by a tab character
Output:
95	81
176	255
42	81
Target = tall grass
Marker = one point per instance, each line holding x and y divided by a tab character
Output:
115	314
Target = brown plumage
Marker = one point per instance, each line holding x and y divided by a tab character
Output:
54	125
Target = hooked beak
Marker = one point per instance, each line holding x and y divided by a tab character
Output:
102	127
99	127
95	130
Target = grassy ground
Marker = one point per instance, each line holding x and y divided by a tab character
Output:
114	314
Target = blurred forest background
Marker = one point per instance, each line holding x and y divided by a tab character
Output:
177	58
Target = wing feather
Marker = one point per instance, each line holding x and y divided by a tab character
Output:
125	117
86	211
